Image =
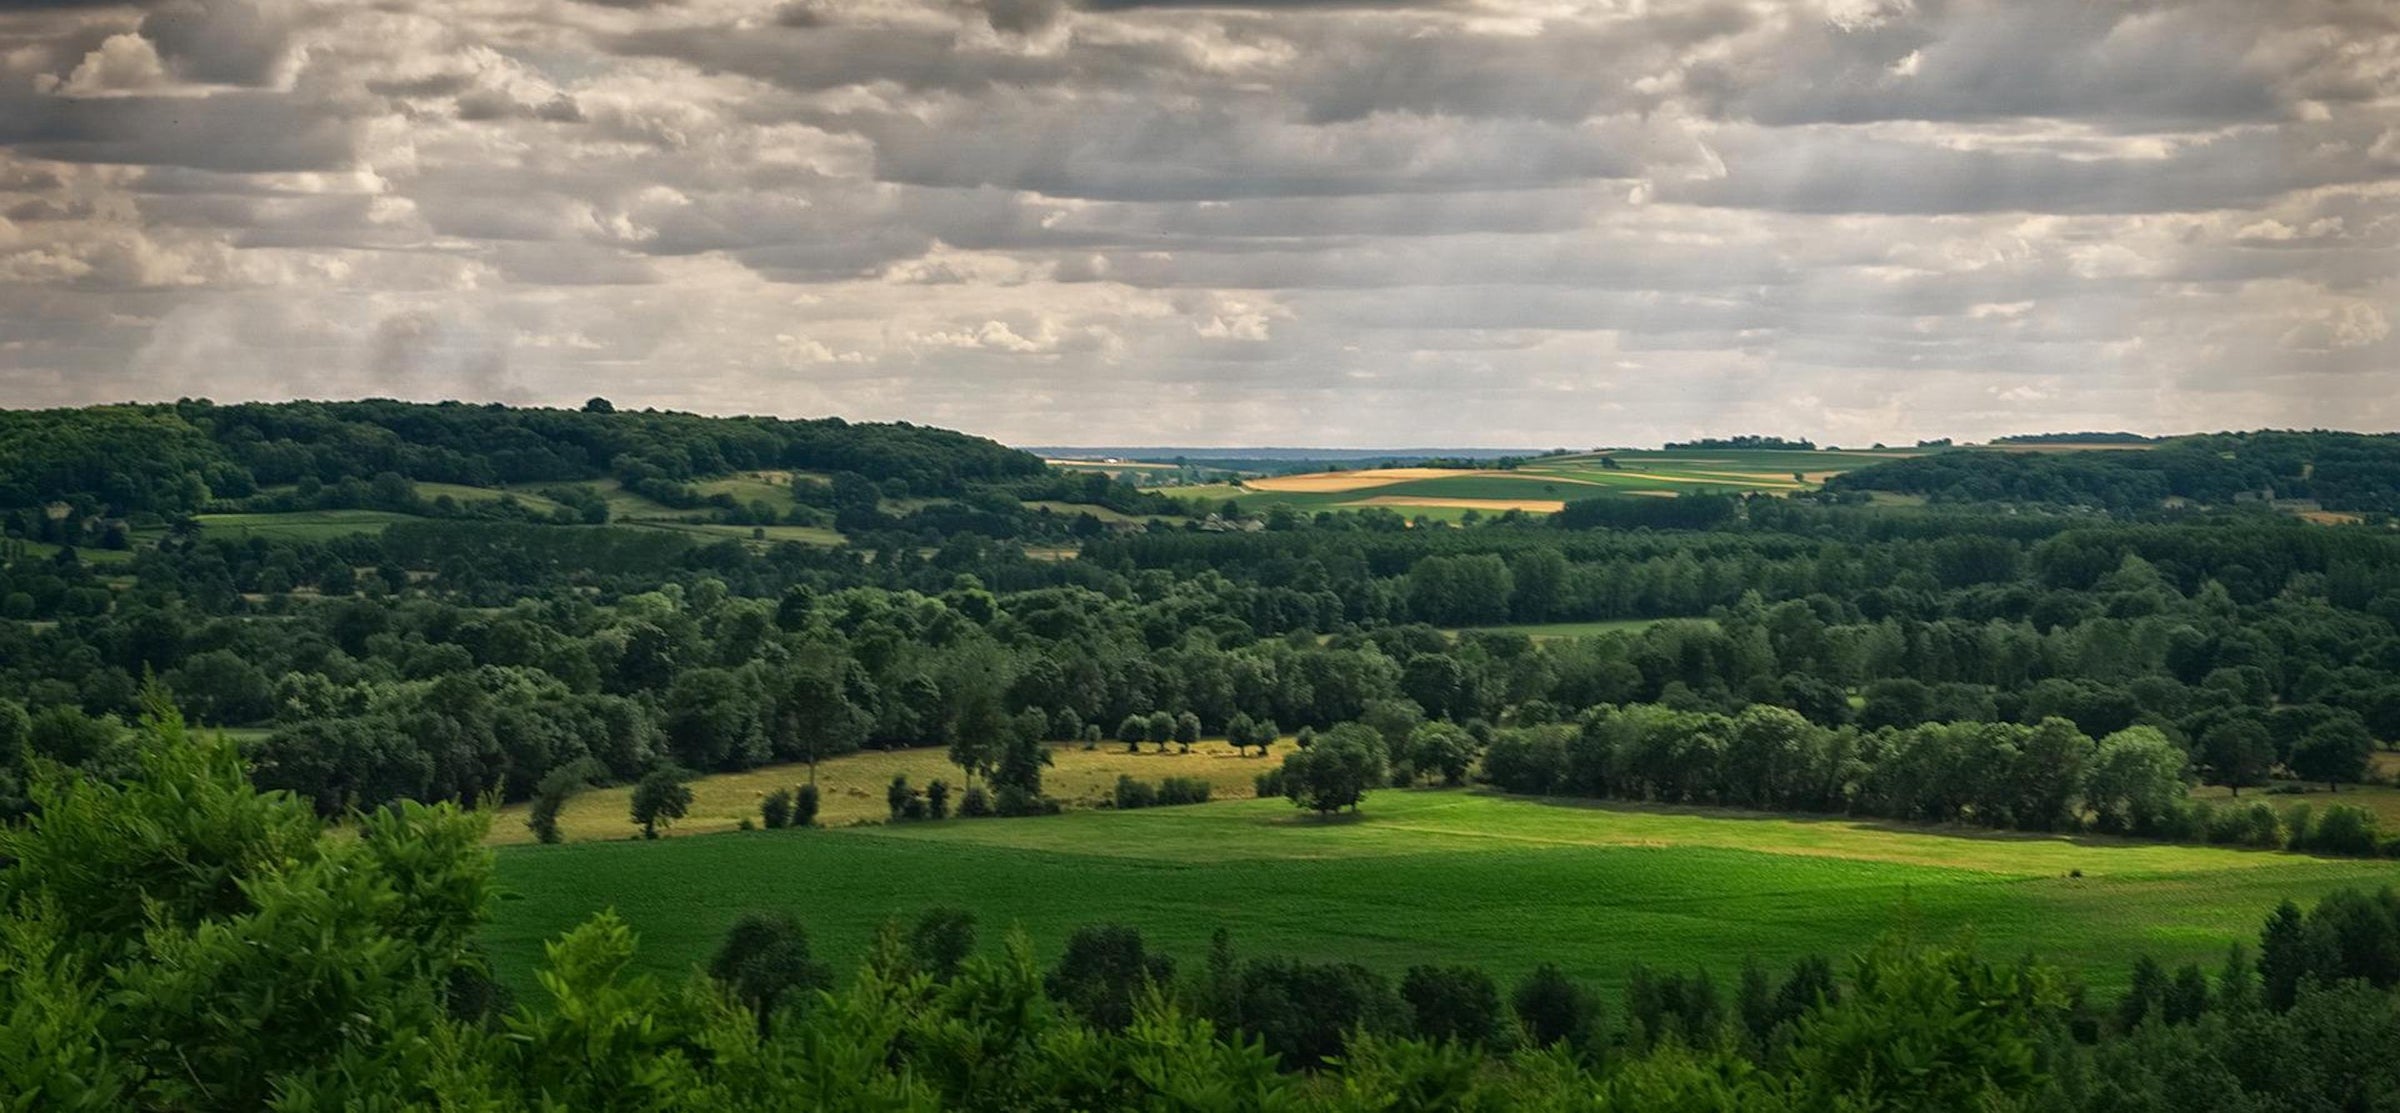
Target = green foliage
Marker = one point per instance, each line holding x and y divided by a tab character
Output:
765	962
659	799
1337	771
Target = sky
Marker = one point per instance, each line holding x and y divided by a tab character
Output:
1295	222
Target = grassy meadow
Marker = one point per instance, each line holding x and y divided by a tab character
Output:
1430	876
851	788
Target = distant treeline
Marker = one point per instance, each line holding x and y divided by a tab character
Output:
2073	438
2341	471
1747	441
175	458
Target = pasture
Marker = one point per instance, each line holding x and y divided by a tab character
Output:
1431	876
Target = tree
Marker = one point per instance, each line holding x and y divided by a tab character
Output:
1443	749
1103	971
775	810
1159	729
765	962
1187	731
2135	781
1336	772
901	798
1554	1008
1133	731
2334	750
659	799
551	795
804	806
1022	758
2237	753
1453	1004
2289	957
937	799
942	940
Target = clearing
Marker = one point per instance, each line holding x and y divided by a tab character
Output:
1431	876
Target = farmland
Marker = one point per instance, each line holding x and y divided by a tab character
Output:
1428	876
1543	484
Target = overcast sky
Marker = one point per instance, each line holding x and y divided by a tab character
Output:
1322	222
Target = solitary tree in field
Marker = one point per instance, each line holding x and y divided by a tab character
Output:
1336	772
659	800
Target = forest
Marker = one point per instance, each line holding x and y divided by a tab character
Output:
2062	643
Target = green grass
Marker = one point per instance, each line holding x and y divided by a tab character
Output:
462	493
1431	877
301	525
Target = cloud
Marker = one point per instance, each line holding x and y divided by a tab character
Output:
1329	221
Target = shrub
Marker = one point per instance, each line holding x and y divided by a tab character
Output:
2342	829
975	803
1269	784
1182	790
804	806
937	799
1133	794
776	809
899	797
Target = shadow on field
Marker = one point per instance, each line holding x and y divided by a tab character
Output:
1871	823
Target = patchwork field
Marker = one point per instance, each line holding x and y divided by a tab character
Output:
1544	485
1431	876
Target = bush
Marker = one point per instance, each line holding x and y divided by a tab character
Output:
937	799
902	799
1269	784
1133	794
804	806
1014	800
975	804
776	810
2342	829
1182	790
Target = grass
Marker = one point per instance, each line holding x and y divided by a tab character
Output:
1432	876
852	787
302	525
462	493
772	487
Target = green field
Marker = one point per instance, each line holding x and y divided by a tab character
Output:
1428	876
302	525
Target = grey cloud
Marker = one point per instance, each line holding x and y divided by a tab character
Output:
233	42
247	132
1315	221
